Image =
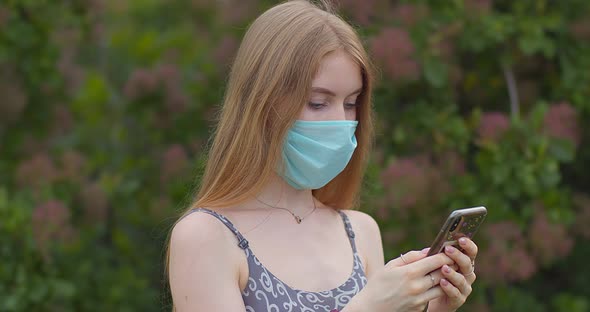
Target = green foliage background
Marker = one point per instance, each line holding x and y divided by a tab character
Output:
106	108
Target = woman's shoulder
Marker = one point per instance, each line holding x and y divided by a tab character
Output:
198	228
361	220
198	234
202	261
367	238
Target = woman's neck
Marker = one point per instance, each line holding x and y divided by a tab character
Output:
278	193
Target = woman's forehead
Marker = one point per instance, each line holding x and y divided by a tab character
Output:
339	74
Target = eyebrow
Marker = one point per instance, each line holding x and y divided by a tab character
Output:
329	92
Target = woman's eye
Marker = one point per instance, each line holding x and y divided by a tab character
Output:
350	105
316	105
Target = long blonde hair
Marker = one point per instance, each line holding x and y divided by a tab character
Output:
269	84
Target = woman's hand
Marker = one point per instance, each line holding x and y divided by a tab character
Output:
403	284
456	284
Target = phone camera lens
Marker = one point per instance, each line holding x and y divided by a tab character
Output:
454	226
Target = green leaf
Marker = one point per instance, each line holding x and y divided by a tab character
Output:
566	302
91	102
562	150
435	72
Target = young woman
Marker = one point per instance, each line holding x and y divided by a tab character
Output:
271	228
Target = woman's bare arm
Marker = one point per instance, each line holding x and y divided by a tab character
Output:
370	246
368	240
204	276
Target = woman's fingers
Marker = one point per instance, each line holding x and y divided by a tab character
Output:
430	280
461	259
408	257
469	247
424	266
458	280
430	294
455	296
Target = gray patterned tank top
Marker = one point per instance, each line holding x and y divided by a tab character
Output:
266	292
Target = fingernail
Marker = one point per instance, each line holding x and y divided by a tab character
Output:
446	269
425	250
444	282
450	249
462	241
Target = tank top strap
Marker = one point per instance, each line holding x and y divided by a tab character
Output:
349	230
242	242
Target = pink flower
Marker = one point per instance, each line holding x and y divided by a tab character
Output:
549	241
225	50
405	181
174	163
233	12
32	145
409	14
67	66
506	257
63	120
580	29
14	98
168	74
95	202
478	6
394	49
452	163
445	49
36	171
412	182
96	6
561	121
51	223
492	126
176	101
361	11
53	213
73	164
4	15
98	30
141	82
402	168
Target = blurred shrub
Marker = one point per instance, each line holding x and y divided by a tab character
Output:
106	111
479	106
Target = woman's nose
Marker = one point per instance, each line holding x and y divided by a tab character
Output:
337	112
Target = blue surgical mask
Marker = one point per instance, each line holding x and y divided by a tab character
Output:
315	152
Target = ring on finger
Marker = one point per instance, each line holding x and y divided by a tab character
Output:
472	268
402	257
431	279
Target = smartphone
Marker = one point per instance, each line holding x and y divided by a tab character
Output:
460	223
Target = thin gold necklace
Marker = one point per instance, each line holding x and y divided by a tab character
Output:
297	218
